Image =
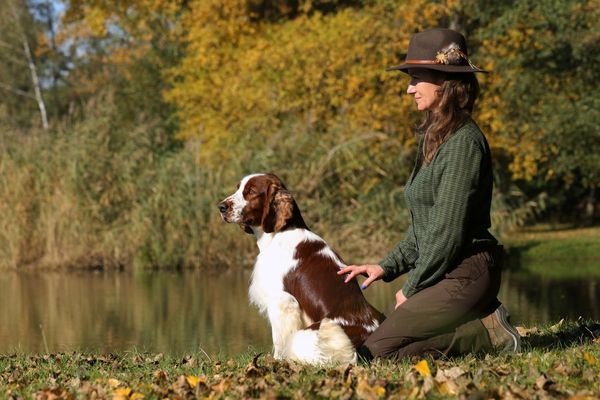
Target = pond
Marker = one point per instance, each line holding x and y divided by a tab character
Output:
187	312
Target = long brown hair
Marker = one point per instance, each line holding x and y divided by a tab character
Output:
453	108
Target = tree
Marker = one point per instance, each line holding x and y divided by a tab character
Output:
17	31
541	99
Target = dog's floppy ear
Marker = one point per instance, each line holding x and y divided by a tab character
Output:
278	209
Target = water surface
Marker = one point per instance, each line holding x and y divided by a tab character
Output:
191	311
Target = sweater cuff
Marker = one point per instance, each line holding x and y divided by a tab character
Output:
390	269
409	289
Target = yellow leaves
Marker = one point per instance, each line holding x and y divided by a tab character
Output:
589	358
124	393
121	393
321	69
368	392
422	367
193	380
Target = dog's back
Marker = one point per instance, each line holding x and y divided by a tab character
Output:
322	293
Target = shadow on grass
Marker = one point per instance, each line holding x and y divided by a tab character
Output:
568	337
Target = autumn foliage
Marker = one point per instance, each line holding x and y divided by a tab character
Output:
299	88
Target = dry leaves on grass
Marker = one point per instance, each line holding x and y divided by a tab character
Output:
561	372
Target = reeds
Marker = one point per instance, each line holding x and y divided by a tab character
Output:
100	193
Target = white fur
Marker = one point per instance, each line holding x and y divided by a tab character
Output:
276	259
237	199
326	345
327	252
343	322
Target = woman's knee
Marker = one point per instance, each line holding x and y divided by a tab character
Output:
382	347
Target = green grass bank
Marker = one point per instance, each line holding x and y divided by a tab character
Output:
559	361
559	251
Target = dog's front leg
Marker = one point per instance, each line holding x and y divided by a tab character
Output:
285	317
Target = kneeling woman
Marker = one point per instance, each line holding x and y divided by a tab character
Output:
448	304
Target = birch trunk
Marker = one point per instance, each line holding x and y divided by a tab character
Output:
35	80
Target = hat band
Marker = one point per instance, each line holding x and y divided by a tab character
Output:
420	62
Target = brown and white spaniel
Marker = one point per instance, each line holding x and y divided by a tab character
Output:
315	317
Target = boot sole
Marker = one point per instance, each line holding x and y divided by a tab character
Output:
503	317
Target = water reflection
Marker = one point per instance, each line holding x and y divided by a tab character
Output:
184	312
165	312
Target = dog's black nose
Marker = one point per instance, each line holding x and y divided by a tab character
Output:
222	207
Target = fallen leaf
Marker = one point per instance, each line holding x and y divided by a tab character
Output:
448	388
112	382
51	394
444	375
221	387
543	382
160	376
556	327
136	396
368	392
422	367
123	392
523	332
589	358
193	380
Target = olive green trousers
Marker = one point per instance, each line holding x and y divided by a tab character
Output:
444	319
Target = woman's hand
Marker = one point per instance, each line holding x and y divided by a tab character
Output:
373	272
400	298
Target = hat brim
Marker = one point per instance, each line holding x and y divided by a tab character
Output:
437	67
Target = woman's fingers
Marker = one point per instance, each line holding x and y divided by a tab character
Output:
351	275
352	271
368	281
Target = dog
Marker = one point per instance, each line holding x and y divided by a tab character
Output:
315	317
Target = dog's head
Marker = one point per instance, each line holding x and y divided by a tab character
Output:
261	201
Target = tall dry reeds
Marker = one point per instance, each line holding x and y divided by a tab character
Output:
102	193
96	194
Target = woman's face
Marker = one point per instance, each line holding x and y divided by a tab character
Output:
424	84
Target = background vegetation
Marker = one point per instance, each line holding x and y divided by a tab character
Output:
122	123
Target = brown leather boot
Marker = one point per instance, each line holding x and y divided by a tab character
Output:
503	335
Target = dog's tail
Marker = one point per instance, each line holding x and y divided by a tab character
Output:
325	345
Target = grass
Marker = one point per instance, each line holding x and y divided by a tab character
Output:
556	250
556	361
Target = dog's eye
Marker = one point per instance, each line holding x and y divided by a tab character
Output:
251	191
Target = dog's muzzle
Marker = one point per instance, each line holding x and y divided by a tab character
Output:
224	208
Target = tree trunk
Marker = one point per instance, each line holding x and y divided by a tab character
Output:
17	8
36	83
590	205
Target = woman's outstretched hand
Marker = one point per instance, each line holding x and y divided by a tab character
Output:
373	272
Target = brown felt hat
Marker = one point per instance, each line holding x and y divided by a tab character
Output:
439	49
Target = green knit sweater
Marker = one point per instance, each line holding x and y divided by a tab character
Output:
449	201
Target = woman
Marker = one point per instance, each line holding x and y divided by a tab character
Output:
448	304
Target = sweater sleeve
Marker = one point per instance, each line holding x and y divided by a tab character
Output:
402	258
456	177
